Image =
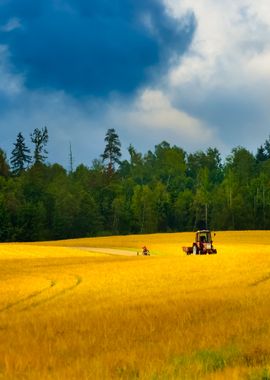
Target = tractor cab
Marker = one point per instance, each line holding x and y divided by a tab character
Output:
203	236
203	243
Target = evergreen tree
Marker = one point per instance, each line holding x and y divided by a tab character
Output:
20	157
261	155
40	139
112	151
267	147
263	152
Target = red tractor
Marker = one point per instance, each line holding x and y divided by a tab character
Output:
203	244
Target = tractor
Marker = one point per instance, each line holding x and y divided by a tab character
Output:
203	244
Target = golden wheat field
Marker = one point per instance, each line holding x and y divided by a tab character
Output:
69	313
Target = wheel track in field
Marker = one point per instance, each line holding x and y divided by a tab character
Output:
261	280
38	293
29	297
56	295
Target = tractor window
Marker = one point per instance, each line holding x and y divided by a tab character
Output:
208	238
204	237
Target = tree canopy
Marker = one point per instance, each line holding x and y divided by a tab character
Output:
165	189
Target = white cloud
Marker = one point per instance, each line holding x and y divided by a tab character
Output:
229	36
227	62
152	110
151	118
12	24
258	66
10	84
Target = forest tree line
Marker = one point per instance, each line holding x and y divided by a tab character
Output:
164	190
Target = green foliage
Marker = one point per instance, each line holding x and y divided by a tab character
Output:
162	190
4	167
144	210
259	374
201	364
20	156
40	139
263	152
112	151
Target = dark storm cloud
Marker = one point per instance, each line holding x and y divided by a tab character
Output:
92	47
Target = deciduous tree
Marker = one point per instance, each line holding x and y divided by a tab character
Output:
40	139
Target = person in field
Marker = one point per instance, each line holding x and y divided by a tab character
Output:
145	251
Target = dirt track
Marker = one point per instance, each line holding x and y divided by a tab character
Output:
109	251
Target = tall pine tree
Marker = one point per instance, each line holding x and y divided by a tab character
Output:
20	156
112	151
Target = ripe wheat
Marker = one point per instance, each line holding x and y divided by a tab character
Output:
67	313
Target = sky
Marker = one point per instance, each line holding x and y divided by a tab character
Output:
195	73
